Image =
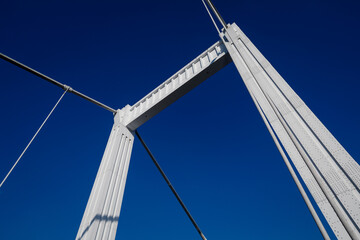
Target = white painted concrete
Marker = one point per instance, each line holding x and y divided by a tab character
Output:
102	212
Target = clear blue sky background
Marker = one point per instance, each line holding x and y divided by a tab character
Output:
212	143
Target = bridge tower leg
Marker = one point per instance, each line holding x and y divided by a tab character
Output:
102	211
327	169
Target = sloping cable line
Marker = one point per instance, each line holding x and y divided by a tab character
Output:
217	14
170	185
32	139
212	19
53	81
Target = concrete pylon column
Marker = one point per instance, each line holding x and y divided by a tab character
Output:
330	173
102	212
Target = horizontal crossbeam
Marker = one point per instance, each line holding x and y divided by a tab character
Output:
187	78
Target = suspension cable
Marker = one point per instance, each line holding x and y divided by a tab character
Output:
212	19
170	186
53	81
32	139
217	14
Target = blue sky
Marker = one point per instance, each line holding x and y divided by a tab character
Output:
212	143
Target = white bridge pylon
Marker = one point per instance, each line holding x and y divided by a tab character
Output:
329	172
331	175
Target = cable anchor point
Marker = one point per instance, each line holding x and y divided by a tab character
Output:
67	88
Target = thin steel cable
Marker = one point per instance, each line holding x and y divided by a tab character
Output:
217	14
170	186
32	139
53	81
212	19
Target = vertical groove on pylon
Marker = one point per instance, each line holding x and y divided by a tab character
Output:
110	189
103	208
